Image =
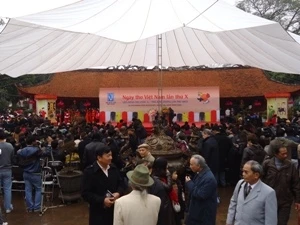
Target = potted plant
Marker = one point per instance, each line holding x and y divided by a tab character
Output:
70	176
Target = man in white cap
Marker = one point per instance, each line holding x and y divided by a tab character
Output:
144	151
138	207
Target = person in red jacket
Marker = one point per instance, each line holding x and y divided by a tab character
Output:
67	117
42	113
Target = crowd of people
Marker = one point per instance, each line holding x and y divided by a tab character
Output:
124	184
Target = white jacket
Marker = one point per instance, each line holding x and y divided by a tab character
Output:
131	209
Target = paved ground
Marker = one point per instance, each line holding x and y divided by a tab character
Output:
77	213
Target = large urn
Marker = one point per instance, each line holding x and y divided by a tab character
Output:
164	146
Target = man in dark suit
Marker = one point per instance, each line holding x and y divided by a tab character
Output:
102	185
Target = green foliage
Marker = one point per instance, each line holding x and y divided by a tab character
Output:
3	100
284	77
3	105
296	106
264	114
291	112
9	91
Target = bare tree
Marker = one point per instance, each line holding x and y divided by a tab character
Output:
285	12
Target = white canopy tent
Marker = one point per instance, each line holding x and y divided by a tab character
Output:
295	36
104	33
17	8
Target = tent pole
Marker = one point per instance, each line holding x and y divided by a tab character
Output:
159	77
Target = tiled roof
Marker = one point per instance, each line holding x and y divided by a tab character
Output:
233	82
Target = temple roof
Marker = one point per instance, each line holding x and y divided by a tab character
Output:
233	82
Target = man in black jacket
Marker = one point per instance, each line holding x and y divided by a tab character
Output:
224	145
85	140
281	175
210	151
101	186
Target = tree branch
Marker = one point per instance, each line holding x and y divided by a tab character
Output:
292	19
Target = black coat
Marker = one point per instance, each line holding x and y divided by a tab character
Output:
224	144
89	154
161	189
94	188
203	199
116	160
81	147
210	152
235	158
253	152
133	143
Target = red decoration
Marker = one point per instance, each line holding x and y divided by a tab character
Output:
257	103
60	104
31	101
88	116
87	104
228	103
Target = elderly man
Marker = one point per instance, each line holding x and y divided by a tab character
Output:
203	194
281	174
144	151
252	202
138	207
